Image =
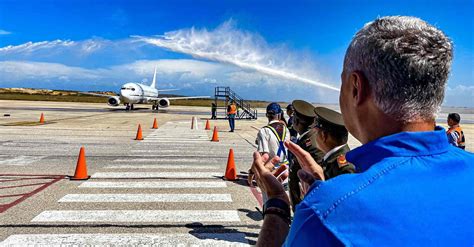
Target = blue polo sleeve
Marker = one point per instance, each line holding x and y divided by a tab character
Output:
308	230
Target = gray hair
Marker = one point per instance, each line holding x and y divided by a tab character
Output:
406	62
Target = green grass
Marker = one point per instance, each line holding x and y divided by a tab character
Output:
96	99
59	98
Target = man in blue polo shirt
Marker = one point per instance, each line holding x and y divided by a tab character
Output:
413	188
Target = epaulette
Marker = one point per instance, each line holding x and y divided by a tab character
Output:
341	161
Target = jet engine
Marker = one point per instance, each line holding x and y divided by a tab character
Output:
164	103
113	101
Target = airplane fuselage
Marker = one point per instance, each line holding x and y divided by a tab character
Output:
136	93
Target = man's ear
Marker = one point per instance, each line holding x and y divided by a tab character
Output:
324	135
360	87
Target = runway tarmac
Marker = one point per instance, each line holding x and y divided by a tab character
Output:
166	189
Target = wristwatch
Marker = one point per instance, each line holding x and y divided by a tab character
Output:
277	207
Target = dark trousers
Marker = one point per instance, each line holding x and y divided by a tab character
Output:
213	114
231	121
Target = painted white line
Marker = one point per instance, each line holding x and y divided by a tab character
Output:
158	160
202	154
174	141
137	216
193	150
18	160
146	198
181	137
194	239
171	167
157	174
155	184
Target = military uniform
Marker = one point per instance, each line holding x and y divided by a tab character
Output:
304	141
336	164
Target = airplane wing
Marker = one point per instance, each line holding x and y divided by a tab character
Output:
97	94
194	97
175	98
167	90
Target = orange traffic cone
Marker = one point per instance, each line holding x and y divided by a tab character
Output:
215	137
230	173
155	124
81	167
208	125
42	119
139	133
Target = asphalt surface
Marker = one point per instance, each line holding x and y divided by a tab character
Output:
165	190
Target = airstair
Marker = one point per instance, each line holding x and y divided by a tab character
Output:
226	95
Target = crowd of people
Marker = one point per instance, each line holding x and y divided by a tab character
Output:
408	184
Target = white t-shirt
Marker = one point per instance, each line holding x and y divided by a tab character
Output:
268	143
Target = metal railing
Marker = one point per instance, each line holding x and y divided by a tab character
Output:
244	108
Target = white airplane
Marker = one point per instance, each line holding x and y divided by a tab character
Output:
136	93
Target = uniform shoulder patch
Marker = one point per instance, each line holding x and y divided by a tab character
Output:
341	161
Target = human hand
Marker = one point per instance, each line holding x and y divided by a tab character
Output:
265	179
306	180
306	162
251	173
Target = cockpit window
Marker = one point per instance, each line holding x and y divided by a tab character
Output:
123	88
133	89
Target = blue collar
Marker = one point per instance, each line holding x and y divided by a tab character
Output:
403	144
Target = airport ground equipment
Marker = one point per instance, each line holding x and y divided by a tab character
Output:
226	95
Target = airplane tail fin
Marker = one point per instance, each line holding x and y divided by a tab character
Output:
153	83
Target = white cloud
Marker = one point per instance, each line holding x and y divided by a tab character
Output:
459	95
20	70
266	71
4	32
193	76
29	47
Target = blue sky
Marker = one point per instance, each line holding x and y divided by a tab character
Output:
91	45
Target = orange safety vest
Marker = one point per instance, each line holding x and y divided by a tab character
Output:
461	140
232	109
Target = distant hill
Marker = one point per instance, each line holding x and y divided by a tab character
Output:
74	96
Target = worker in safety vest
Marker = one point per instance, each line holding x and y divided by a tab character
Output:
270	141
455	133
231	111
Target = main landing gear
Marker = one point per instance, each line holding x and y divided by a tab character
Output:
128	107
155	107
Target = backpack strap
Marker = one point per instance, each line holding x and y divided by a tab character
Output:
281	146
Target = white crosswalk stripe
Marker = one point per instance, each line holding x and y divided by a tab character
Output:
146	198
157	175
164	160
155	184
140	216
170	167
177	152
199	239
